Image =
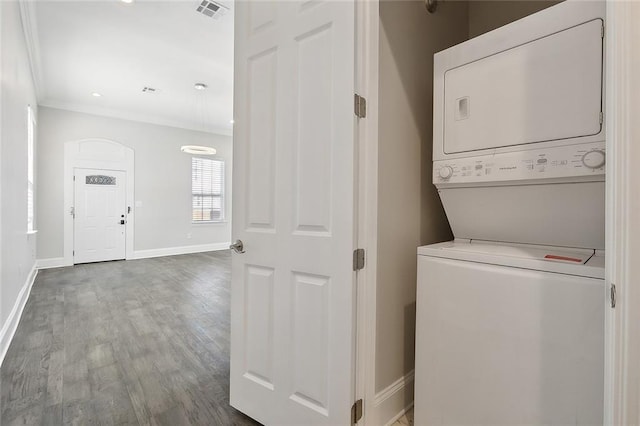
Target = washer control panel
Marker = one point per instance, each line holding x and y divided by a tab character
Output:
560	162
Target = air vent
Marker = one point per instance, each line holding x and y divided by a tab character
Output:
212	9
147	89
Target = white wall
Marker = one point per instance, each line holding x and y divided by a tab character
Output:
162	179
16	92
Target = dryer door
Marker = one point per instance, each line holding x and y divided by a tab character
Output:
544	90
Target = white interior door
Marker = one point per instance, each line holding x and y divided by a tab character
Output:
100	215
292	330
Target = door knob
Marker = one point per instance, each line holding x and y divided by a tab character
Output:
238	247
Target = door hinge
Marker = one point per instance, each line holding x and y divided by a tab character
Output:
358	259
74	178
360	106
356	412
73	252
613	295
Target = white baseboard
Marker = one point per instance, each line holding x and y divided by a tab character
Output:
58	262
404	411
172	251
10	326
393	401
54	262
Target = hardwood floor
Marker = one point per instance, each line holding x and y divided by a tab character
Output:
137	342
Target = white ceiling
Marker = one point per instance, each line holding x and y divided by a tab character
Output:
116	49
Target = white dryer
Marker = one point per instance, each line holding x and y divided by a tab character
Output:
510	315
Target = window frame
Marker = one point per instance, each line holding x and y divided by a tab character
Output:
222	194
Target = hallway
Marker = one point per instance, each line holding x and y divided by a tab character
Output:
129	342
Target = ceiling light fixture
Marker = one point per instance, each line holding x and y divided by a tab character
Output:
197	149
96	94
231	121
127	1
200	86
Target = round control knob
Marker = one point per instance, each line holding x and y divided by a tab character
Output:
594	159
445	172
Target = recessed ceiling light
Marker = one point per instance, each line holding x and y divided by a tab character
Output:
231	121
96	94
127	1
200	86
196	149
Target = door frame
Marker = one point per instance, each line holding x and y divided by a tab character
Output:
622	324
366	85
101	154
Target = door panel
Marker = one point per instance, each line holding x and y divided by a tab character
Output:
292	340
100	202
259	347
261	136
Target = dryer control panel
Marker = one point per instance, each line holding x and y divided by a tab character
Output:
583	160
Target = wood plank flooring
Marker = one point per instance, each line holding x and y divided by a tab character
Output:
124	343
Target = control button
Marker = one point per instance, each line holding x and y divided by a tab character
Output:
594	159
445	172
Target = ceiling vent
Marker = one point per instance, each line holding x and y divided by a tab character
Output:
212	9
147	89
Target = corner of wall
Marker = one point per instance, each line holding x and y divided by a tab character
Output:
11	324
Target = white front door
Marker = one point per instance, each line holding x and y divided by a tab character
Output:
100	215
293	289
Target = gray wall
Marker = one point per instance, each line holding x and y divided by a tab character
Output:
162	179
17	91
488	15
410	213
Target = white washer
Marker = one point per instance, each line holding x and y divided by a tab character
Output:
509	334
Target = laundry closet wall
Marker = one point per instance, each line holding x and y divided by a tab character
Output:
410	213
488	15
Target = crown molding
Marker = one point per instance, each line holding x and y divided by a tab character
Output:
132	116
30	30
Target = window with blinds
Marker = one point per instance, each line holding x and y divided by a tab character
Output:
207	190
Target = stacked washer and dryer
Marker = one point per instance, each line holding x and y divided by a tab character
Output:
510	315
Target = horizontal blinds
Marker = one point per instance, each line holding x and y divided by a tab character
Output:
207	188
